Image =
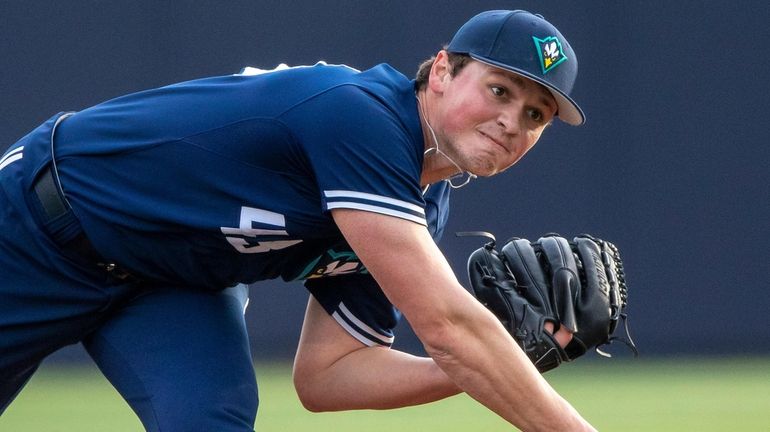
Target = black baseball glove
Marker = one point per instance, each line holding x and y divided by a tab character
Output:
579	285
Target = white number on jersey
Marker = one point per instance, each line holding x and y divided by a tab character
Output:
245	238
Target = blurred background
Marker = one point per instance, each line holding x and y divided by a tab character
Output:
672	164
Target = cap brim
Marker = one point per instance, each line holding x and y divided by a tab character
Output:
569	112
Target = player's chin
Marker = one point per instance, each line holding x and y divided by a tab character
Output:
491	165
487	170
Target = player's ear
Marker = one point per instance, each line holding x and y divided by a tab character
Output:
440	72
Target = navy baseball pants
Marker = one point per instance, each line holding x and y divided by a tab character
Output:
180	358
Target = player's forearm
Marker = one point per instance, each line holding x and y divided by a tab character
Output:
376	378
483	360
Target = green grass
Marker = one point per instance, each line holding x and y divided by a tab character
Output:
646	395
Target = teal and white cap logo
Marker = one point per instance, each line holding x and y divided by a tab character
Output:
550	52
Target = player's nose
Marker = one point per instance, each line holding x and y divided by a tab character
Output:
509	120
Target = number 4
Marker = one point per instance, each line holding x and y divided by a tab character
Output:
239	237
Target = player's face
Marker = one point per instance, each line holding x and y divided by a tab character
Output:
488	118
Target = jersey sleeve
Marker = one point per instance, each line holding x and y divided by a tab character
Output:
358	304
355	300
361	154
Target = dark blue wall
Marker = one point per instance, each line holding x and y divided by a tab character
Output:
672	164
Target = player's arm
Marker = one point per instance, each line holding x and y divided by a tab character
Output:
466	341
362	377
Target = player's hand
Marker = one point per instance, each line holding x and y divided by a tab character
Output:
563	336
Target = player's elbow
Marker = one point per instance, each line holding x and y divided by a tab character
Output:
311	402
446	335
311	393
441	337
307	396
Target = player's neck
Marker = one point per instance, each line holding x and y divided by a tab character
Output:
436	165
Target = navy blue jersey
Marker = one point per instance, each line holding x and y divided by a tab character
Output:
230	179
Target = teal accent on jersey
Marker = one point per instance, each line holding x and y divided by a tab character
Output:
333	262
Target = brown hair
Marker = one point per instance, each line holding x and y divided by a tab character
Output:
456	62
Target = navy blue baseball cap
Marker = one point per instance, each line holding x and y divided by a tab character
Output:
525	44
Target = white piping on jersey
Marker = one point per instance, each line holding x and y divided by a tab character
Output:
361	337
351	330
11	157
375	209
373	197
388	340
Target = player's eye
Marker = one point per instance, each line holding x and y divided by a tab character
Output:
536	115
498	91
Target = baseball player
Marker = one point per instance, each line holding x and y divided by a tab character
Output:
122	225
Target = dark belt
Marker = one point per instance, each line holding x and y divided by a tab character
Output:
79	247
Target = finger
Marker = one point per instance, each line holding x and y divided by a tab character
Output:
563	336
548	327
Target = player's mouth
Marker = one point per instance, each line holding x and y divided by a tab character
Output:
496	141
